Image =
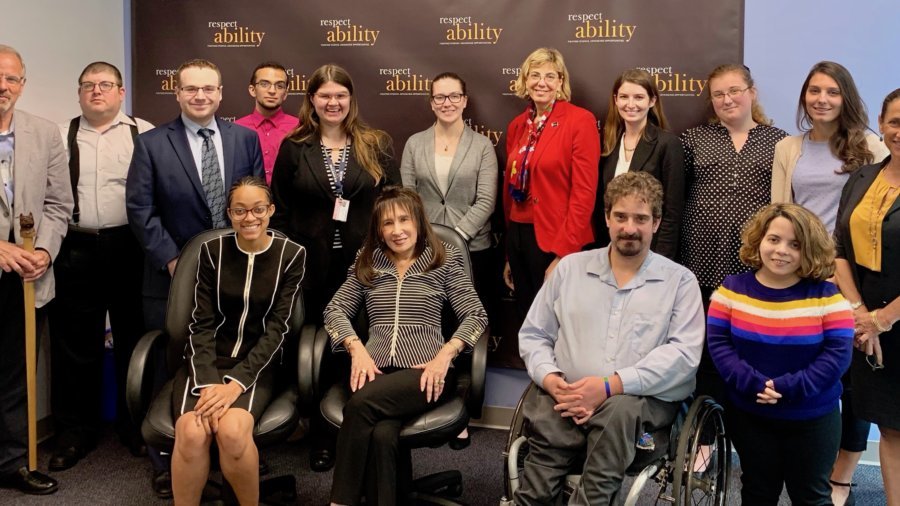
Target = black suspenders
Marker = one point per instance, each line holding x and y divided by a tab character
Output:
75	160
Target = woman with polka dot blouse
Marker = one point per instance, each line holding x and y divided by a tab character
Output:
728	167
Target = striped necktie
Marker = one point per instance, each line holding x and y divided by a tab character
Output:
212	179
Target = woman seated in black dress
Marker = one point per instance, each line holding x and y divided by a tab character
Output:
247	285
403	275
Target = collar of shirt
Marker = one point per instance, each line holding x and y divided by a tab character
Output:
194	128
276	119
120	118
600	266
195	141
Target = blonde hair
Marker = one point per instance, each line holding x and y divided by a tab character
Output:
537	58
816	245
756	110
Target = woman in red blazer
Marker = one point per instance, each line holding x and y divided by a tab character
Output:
550	180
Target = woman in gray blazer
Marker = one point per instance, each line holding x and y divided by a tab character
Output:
454	170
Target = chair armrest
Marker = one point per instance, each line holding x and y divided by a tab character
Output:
479	370
321	352
139	379
306	367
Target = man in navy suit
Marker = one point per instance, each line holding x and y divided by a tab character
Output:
179	175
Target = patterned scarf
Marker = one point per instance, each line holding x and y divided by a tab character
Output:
520	171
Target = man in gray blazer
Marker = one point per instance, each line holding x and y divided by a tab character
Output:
34	177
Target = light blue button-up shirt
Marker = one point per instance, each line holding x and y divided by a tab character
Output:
195	141
650	331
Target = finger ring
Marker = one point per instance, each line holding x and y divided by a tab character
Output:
440	382
363	371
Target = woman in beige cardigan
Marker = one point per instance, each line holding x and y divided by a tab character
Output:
810	169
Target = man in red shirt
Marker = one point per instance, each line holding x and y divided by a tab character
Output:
269	86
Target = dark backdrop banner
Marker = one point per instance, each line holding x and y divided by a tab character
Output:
392	48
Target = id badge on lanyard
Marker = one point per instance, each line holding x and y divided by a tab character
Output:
341	205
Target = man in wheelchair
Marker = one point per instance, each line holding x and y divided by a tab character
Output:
613	339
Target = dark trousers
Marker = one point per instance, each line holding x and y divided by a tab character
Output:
854	430
368	442
709	380
607	441
777	453
155	318
95	273
13	391
527	262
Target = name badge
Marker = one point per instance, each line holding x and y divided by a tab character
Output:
341	209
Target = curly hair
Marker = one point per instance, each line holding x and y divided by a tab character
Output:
638	183
816	245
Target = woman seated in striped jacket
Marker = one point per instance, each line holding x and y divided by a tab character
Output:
403	275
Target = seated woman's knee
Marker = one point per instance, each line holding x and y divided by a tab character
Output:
190	435
235	432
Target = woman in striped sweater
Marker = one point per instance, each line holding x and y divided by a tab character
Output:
781	338
403	275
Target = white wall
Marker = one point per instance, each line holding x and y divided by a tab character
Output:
57	39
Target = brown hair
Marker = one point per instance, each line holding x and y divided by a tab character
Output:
894	95
816	245
408	200
537	58
197	63
369	144
447	75
756	110
614	124
848	143
638	183
101	66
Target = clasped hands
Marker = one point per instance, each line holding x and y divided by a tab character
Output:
214	401
30	266
576	400
866	335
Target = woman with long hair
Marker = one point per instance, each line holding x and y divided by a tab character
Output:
811	170
636	137
402	278
328	173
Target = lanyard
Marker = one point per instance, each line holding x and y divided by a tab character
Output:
337	172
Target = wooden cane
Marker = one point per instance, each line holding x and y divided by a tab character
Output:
26	227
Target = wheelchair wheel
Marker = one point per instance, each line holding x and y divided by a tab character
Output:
703	456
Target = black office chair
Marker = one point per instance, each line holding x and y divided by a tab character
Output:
154	413
431	429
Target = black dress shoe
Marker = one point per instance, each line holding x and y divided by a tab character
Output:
162	484
458	443
321	460
31	482
64	458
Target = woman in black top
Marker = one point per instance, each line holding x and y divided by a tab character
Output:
636	137
247	285
402	277
327	175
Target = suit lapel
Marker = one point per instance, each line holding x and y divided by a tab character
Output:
644	149
555	123
22	153
228	147
351	176
428	156
313	156
178	137
465	143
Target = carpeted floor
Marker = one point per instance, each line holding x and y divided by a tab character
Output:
110	475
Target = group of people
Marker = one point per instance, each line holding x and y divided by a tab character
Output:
625	256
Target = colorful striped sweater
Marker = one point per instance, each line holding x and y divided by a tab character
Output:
800	337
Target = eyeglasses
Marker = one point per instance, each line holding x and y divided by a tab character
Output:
239	213
280	85
872	360
13	80
87	86
454	98
340	97
733	93
190	91
549	78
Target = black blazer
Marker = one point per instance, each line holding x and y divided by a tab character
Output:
660	154
304	204
854	190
